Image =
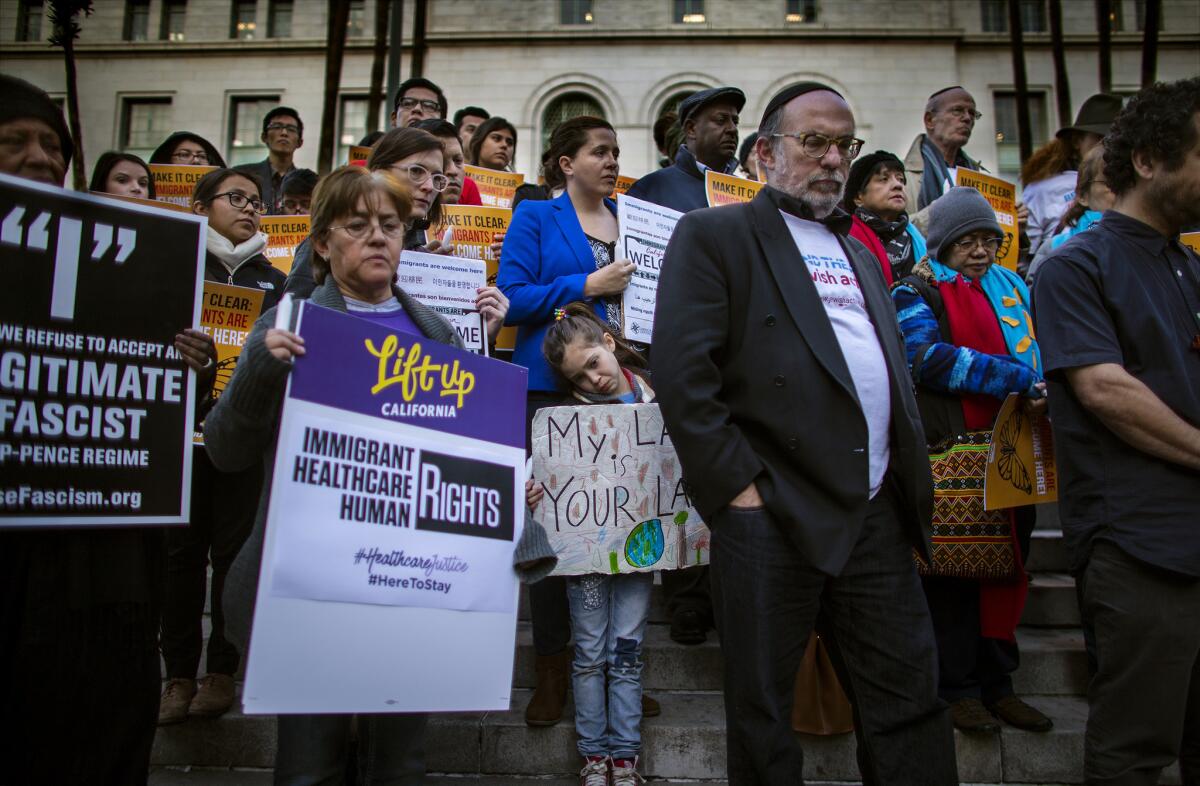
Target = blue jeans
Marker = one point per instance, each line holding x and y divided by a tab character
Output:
608	615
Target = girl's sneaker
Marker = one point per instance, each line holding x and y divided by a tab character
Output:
624	773
594	772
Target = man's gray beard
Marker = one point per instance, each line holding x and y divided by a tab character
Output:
821	205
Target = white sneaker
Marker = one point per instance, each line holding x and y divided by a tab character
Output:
627	776
594	773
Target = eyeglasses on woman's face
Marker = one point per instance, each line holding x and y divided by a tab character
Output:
969	244
239	201
417	175
361	228
189	157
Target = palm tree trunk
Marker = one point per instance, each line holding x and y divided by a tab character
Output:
1020	81
78	163
378	58
418	50
335	47
1104	27
1062	88
1150	41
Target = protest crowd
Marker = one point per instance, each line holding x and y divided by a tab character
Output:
834	356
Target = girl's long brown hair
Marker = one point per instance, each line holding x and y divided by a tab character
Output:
1059	155
580	323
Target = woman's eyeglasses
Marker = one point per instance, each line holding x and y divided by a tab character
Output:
360	228
418	174
239	202
186	157
970	244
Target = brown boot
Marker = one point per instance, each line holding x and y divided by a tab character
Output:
1017	713
550	693
214	697
176	696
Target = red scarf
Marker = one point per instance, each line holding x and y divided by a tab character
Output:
973	324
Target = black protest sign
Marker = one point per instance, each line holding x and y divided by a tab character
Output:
95	402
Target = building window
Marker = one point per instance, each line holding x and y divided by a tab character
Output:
352	125
137	20
279	21
1139	12
29	20
145	123
575	12
995	15
688	12
1116	17
245	143
243	25
566	107
356	21
1008	140
174	15
801	11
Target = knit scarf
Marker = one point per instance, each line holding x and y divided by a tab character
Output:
1009	298
232	256
896	239
935	164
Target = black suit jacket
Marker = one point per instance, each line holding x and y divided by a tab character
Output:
753	385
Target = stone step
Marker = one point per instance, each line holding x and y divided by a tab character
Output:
685	742
1052	602
1048	552
1053	662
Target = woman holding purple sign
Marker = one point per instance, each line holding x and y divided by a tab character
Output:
358	224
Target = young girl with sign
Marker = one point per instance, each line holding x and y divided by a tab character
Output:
608	611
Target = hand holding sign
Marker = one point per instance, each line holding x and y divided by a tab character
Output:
197	350
611	279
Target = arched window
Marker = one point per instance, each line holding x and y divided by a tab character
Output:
566	107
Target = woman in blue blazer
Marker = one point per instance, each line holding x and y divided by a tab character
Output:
557	252
562	250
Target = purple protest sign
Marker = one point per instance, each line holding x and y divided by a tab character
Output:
360	366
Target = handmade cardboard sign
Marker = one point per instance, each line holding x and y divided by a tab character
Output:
448	286
284	234
644	231
1021	468
96	404
496	188
1002	196
614	499
397	498
174	183
723	189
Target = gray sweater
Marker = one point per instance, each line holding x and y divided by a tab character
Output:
243	428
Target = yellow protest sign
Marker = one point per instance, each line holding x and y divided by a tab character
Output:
1021	469
284	233
174	183
624	183
725	189
359	153
1002	196
474	228
227	313
496	188
146	202
1191	240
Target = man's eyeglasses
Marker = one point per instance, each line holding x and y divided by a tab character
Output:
239	201
295	206
361	229
426	104
968	245
964	111
291	129
418	174
186	157
817	145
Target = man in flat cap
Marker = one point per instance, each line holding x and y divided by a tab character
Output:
784	385
933	160
709	119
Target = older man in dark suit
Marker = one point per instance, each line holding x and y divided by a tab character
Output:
782	378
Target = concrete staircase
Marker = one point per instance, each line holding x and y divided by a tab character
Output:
686	743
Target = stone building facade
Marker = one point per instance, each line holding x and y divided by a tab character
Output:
149	67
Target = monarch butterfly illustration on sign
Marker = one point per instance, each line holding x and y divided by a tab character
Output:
1020	469
1008	462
